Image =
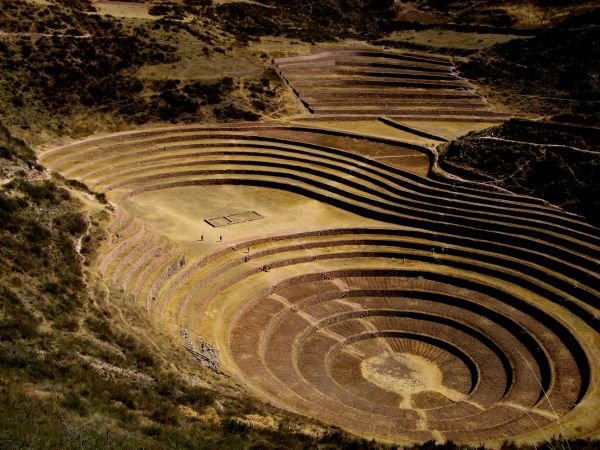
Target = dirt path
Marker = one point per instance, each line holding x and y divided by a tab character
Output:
4	34
512	141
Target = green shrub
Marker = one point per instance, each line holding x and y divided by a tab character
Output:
100	329
11	146
233	426
5	153
8	206
16	322
74	223
198	397
16	355
166	414
232	112
75	183
73	401
44	191
67	323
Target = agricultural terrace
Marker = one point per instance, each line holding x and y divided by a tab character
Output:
344	276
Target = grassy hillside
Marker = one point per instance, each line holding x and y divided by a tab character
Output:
560	164
309	20
64	70
498	14
555	72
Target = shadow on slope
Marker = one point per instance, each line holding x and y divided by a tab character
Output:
559	163
555	72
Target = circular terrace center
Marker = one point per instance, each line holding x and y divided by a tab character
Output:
406	374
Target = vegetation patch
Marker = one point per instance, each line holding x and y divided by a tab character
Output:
309	20
66	70
558	163
554	73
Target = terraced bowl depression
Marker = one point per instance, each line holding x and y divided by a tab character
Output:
363	294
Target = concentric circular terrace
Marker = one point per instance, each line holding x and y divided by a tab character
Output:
368	295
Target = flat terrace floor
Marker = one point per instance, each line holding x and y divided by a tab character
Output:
375	127
179	214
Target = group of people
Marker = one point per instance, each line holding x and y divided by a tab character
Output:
202	238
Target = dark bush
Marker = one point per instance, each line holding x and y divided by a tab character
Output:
14	146
5	153
259	105
73	223
161	9
16	356
198	397
232	112
9	205
73	401
16	322
38	191
232	426
166	413
77	184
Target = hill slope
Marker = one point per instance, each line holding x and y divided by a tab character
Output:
555	72
558	163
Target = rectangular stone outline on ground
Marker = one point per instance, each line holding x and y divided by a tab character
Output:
231	219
